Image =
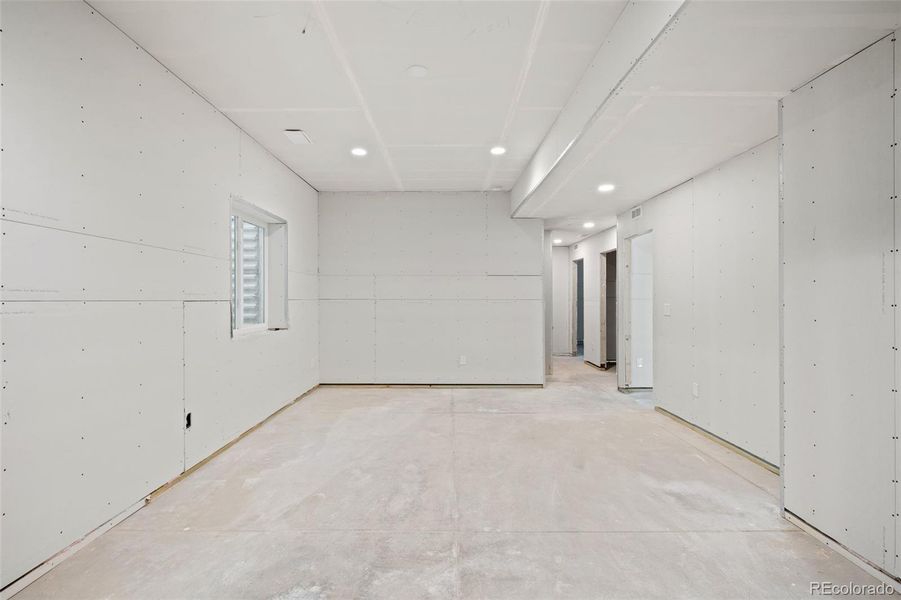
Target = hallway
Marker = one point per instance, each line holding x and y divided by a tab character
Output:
572	491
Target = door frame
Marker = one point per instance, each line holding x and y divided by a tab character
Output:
606	359
574	304
624	283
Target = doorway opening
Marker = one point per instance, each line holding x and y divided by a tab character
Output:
578	330
608	322
638	312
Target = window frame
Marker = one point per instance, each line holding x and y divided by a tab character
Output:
238	325
240	213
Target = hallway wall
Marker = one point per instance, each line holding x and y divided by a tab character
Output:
116	190
590	251
563	308
715	299
429	287
840	286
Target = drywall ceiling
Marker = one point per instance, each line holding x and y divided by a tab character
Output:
706	91
498	73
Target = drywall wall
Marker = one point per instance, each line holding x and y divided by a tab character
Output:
639	322
547	285
715	299
425	287
563	309
839	238
117	181
591	251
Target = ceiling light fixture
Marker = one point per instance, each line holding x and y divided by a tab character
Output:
498	150
298	136
588	225
359	151
606	187
417	71
558	241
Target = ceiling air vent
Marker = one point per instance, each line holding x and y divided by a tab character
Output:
636	212
298	137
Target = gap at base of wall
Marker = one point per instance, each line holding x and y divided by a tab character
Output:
861	562
725	443
39	571
434	385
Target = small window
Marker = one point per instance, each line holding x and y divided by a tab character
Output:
258	270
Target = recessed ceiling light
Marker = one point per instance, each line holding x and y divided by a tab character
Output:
606	187
588	225
298	137
359	152
558	241
417	71
498	150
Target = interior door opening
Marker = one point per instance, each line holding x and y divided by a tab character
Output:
639	313
578	343
608	324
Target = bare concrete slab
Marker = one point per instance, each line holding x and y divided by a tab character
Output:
572	491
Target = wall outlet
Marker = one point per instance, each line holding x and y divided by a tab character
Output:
462	360
667	309
694	390
639	362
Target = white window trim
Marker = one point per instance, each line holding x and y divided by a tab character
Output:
245	211
240	328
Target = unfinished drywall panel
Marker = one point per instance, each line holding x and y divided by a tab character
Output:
514	246
590	251
640	324
896	259
415	233
735	258
489	341
92	418
461	287
136	155
436	267
347	350
232	384
547	294
562	329
125	215
347	287
838	307
670	217
75	266
715	299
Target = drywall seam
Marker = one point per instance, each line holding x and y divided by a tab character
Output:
338	49
843	60
894	261
6	218
781	288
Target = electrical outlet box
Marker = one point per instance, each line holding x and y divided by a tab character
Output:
694	390
667	309
462	360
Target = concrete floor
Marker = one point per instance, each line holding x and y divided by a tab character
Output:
573	491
